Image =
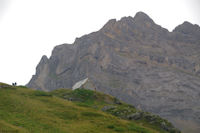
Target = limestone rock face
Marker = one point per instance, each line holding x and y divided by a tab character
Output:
137	61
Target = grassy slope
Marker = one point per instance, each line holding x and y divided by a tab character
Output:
25	110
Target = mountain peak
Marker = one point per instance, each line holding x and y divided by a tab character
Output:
187	23
142	17
44	59
141	21
188	28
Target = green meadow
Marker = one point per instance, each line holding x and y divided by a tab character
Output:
24	110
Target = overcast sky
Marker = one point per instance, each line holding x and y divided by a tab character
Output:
31	28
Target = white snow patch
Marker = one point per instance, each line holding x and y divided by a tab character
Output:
79	84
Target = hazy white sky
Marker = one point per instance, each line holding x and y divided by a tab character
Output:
31	28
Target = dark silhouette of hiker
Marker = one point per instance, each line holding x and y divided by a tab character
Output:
14	84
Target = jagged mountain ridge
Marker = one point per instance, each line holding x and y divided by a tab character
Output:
137	61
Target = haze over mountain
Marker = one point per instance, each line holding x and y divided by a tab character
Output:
137	61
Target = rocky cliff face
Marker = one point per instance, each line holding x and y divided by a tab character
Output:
137	61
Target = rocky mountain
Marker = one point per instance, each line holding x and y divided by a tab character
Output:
137	61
